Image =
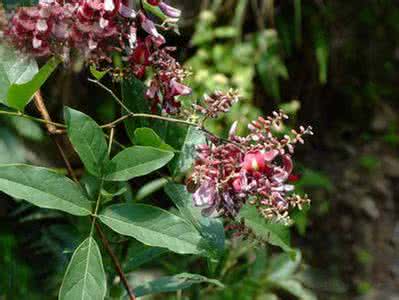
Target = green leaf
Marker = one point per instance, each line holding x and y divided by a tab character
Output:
87	139
322	54
211	229
133	91
15	68
19	95
27	129
85	276
153	226
148	137
140	254
173	283
312	178
295	288
11	149
133	96
151	188
283	266
155	10
273	233
98	74
136	161
44	188
184	161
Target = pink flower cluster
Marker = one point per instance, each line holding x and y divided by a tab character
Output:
95	28
256	168
217	103
167	84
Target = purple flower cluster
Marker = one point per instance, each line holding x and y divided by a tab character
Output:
256	169
217	103
167	84
96	29
93	28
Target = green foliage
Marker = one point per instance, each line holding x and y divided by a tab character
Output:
88	140
20	77
11	149
271	67
211	229
44	188
14	69
133	97
173	283
273	233
148	137
96	73
184	160
85	276
154	227
322	53
312	178
369	162
136	161
140	254
20	93
150	188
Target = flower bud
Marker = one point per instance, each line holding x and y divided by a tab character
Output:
170	11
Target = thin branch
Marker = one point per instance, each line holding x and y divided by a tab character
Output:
71	171
25	116
111	139
41	107
115	261
111	93
157	117
52	129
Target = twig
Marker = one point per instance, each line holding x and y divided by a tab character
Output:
115	261
71	171
22	115
111	139
151	116
52	129
39	103
111	93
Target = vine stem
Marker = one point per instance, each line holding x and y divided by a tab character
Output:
25	116
51	126
115	261
53	130
151	116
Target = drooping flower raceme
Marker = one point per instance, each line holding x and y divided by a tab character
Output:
99	29
256	168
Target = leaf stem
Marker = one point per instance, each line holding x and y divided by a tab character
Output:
111	140
115	262
52	126
25	116
95	211
158	117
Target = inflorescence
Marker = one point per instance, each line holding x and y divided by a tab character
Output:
98	30
255	169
